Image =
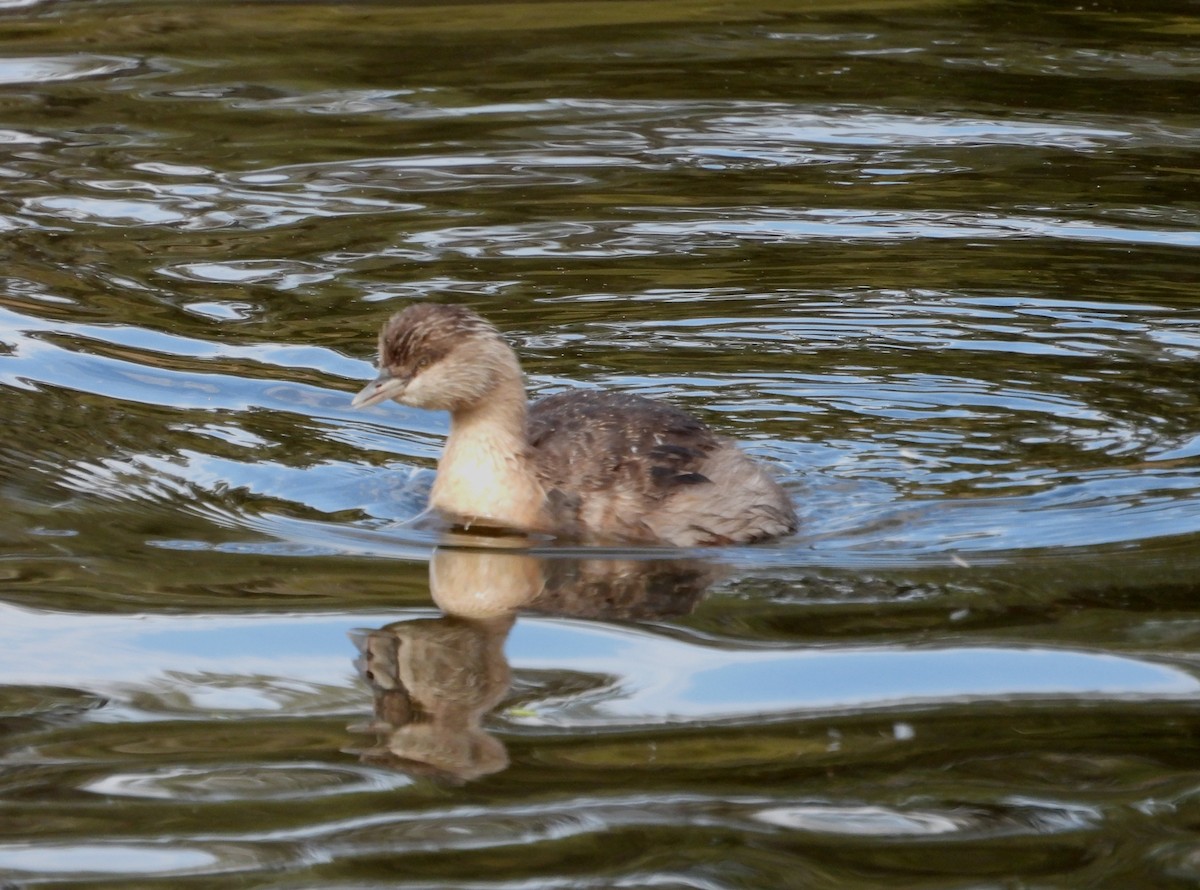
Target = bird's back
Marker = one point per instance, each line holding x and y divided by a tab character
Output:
625	468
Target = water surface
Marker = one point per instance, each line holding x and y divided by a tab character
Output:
934	262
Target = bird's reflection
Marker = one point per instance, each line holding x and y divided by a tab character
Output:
435	679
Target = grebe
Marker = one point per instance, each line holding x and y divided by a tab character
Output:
584	465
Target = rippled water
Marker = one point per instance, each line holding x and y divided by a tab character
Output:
935	262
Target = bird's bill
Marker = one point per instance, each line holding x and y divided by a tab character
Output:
382	388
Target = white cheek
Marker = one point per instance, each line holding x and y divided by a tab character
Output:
423	391
447	387
441	388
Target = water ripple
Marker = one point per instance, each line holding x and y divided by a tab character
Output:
739	686
879	821
730	228
258	782
78	66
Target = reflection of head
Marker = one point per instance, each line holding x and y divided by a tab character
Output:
433	680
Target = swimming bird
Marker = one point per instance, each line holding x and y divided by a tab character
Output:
583	465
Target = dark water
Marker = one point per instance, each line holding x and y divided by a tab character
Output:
935	262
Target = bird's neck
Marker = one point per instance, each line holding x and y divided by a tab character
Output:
485	476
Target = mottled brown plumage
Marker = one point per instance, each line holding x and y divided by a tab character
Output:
583	464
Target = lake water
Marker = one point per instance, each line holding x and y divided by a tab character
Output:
935	262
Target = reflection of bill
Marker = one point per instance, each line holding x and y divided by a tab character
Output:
435	679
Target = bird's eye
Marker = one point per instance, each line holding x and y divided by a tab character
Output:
422	363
